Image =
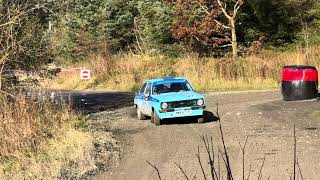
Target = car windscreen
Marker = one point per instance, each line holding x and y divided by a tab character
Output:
171	87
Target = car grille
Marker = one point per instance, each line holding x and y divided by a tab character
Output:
182	104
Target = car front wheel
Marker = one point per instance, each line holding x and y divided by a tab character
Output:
140	115
201	120
156	119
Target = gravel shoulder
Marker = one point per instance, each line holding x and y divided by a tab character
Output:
261	116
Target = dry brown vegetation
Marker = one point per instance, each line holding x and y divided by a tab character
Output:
38	140
27	123
127	72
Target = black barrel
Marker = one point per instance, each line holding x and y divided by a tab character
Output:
299	83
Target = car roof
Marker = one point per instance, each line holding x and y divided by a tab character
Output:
166	80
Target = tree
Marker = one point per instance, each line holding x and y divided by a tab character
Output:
119	22
23	37
232	17
310	26
154	24
279	21
77	29
196	24
208	22
85	27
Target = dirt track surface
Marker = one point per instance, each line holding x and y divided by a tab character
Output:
262	116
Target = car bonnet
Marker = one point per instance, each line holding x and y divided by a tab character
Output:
178	96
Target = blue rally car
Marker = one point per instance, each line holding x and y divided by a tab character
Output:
168	98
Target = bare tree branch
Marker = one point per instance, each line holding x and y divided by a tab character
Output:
203	7
227	45
138	35
243	150
153	166
230	176
184	173
213	169
219	171
219	23
194	177
223	158
8	23
211	155
260	171
249	173
2	63
200	163
299	170
236	8
223	8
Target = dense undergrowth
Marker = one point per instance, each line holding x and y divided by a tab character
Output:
38	140
127	72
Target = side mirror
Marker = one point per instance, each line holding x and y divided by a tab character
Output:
147	96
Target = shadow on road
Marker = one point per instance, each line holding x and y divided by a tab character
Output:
96	102
209	116
91	102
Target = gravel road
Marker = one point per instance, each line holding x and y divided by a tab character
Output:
261	116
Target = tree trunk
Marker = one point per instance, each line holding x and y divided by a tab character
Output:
234	39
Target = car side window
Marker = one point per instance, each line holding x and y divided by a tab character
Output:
189	86
143	89
148	89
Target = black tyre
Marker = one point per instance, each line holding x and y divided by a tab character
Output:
156	119
152	117
201	120
140	115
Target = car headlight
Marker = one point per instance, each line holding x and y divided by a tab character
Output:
200	102
164	105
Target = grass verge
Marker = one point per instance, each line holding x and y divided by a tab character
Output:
127	72
39	140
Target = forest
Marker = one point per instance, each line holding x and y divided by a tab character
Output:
70	30
34	33
218	45
178	27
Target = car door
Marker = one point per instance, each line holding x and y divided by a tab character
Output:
140	97
146	106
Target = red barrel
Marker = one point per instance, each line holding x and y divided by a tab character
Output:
299	83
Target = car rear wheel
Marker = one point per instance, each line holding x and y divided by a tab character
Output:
156	119
140	115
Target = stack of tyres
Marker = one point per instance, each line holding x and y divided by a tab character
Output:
299	83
